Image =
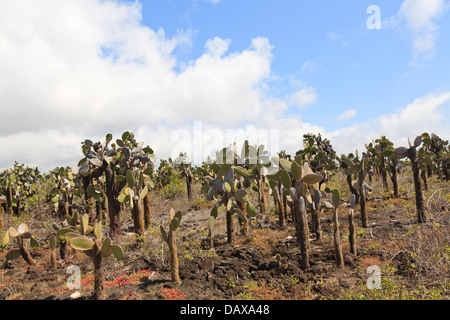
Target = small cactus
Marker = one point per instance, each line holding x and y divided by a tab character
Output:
278	258
52	243
170	239
20	234
95	249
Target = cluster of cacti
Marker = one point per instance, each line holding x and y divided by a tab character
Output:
170	239
21	234
359	168
227	189
114	175
319	153
104	174
63	192
95	248
299	183
16	185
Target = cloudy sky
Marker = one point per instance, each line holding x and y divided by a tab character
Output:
189	75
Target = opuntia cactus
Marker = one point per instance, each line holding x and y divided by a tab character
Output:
411	153
52	243
361	168
351	225
20	234
170	239
336	199
95	249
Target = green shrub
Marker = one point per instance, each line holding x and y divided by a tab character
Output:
175	187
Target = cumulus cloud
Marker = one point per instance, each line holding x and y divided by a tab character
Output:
303	97
425	114
420	17
82	69
346	115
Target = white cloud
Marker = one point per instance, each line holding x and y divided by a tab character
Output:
420	18
82	69
303	97
76	70
426	114
347	114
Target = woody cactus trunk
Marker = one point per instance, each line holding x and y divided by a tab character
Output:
170	239
411	153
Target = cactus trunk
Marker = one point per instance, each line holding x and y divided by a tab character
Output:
263	194
337	240
394	179
114	205
138	216
1	215
317	228
99	280
173	253
147	212
302	232
243	224
280	205
53	259
384	174
352	190
24	251
189	186
352	232
418	190
362	201
230	227
9	207
423	174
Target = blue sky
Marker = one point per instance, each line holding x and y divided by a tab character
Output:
75	70
324	44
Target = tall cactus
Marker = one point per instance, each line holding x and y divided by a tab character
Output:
360	168
352	226
336	198
299	180
411	153
170	239
113	160
225	188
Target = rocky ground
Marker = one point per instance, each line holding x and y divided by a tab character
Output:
412	260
